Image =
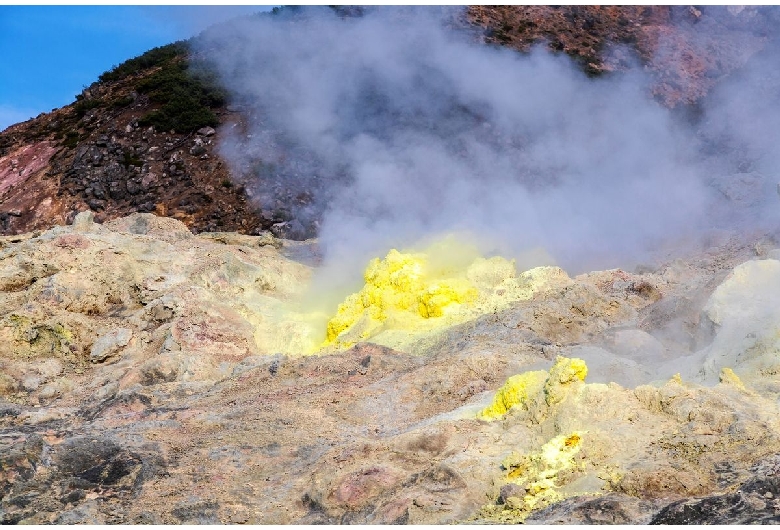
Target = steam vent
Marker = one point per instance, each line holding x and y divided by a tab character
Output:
490	264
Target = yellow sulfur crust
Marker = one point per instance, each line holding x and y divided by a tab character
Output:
538	473
419	293
523	389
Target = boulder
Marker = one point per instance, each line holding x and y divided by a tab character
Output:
110	344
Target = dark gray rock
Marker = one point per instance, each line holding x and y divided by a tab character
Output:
199	512
608	509
117	190
197	150
756	502
510	490
290	230
133	186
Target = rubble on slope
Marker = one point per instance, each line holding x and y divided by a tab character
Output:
686	49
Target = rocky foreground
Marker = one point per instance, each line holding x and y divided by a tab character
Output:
141	381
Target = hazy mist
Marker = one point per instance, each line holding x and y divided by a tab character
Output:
403	128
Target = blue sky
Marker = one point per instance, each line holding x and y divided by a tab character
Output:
48	54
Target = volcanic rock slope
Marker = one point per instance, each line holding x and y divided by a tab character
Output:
145	137
138	385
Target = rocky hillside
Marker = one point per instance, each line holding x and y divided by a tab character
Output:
141	139
688	49
145	137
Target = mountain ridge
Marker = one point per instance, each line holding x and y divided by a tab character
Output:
130	141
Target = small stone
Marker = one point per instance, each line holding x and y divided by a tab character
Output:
267	239
510	491
207	131
148	181
49	368
96	204
8	385
133	188
31	383
84	219
170	344
109	344
197	150
108	390
55	389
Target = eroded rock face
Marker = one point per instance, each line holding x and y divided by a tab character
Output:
148	375
685	49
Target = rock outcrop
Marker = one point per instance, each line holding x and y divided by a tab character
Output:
149	375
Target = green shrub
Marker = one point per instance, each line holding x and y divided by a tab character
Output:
186	97
185	94
200	85
154	57
71	140
84	105
121	102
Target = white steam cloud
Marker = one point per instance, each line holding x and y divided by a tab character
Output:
400	128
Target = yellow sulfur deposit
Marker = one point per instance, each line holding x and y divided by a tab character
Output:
529	387
27	338
517	390
540	473
728	377
408	295
563	372
400	283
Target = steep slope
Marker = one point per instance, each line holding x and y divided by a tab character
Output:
112	152
146	136
688	49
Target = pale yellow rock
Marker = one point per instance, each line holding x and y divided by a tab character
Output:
8	385
528	388
564	372
728	377
746	318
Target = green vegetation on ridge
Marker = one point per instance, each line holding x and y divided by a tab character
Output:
186	93
154	57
